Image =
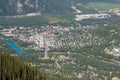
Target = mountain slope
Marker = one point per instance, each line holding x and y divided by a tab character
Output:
13	7
13	69
89	1
109	32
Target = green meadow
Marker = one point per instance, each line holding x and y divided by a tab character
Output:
102	6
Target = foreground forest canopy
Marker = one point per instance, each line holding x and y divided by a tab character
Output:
13	69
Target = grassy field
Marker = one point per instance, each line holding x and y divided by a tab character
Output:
102	6
52	20
32	21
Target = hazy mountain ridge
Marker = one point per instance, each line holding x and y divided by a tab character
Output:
14	7
89	1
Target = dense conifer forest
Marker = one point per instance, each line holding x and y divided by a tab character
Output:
13	69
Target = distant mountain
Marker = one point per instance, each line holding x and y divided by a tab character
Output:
14	7
108	1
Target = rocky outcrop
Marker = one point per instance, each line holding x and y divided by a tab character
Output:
14	7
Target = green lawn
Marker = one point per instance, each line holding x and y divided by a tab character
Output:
53	20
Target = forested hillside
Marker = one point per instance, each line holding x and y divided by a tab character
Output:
13	69
110	32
